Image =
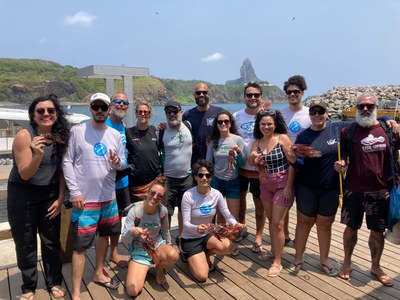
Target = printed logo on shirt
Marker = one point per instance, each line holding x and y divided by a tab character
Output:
210	121
100	149
247	130
123	138
331	142
372	144
205	209
150	225
294	127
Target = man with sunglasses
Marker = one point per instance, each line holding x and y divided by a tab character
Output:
176	152
245	118
201	119
367	184
297	119
119	108
94	154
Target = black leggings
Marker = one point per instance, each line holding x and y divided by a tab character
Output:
27	209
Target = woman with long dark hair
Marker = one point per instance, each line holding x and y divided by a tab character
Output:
35	193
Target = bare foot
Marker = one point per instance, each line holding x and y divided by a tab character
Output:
160	278
344	272
381	276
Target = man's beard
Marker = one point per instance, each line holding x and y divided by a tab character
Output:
202	102
253	104
119	114
366	121
175	123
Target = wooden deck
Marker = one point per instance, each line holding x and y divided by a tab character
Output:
242	277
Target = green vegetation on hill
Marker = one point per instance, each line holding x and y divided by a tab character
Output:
22	80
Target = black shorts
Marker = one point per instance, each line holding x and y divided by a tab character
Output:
176	187
312	202
192	247
375	206
254	185
123	198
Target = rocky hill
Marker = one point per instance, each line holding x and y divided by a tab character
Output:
22	80
343	97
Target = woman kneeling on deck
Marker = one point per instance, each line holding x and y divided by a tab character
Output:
148	216
199	206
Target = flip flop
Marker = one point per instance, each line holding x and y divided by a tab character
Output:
275	270
257	248
330	271
266	255
242	236
112	284
295	267
344	275
121	263
235	252
384	279
28	296
57	290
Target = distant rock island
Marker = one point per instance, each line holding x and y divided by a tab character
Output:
247	74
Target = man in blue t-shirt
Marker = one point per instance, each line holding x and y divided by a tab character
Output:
201	119
119	107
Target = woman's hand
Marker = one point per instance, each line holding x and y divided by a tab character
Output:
38	144
54	209
287	193
202	228
236	149
136	231
241	226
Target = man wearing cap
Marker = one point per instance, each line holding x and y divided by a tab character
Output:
175	143
119	107
94	154
201	119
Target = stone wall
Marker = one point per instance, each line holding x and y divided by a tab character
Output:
343	97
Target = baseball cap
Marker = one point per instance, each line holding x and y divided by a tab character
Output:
100	96
173	103
319	102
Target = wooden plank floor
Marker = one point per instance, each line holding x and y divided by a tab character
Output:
242	277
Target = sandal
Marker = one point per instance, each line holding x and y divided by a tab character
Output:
57	292
295	267
257	248
27	296
241	236
235	252
275	270
266	255
330	271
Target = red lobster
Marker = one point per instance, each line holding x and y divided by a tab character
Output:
53	137
232	159
305	151
223	231
148	246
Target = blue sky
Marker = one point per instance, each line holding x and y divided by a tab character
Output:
330	43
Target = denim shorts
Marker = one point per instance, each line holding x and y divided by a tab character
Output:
228	188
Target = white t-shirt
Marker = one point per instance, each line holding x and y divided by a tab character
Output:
245	126
296	121
86	168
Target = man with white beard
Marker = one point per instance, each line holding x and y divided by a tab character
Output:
367	184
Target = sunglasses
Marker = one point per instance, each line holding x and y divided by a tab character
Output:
296	92
269	112
172	111
198	93
119	101
50	111
368	106
103	107
256	95
143	112
226	122
201	175
159	196
318	111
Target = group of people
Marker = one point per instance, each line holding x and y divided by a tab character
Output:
202	162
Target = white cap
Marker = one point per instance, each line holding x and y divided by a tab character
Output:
100	96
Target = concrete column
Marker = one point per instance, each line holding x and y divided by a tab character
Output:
109	86
128	90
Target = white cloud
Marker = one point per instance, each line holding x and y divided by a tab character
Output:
213	57
80	18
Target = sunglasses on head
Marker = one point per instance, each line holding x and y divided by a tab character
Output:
119	101
172	111
198	93
95	107
201	175
251	95
50	111
368	106
226	122
317	111
269	112
143	112
296	92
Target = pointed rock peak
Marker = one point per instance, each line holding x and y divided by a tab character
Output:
247	74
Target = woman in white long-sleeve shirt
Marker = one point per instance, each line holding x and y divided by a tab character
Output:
199	206
153	216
